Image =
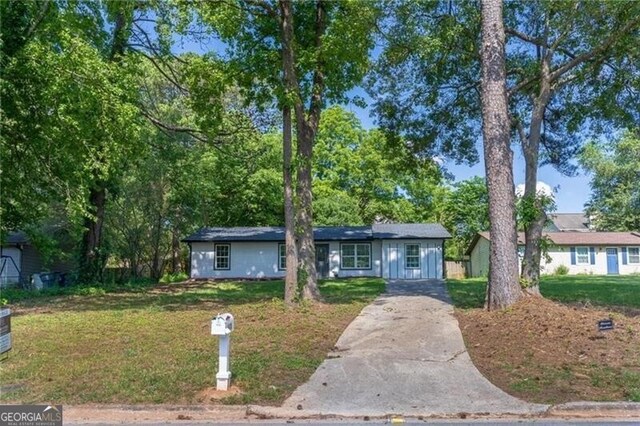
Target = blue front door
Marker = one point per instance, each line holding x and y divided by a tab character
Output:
612	261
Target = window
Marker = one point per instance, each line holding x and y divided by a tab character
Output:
355	256
634	254
582	255
412	256
222	256
282	257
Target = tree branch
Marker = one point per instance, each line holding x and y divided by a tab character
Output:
595	51
44	9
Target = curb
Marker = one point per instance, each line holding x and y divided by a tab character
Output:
265	412
159	407
114	414
596	409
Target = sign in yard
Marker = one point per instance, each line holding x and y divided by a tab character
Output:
604	325
5	330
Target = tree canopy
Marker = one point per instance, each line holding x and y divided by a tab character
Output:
614	166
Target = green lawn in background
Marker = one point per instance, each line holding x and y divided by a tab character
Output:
154	345
598	290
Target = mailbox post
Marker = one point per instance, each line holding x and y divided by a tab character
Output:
222	326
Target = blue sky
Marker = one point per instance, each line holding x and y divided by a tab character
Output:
571	193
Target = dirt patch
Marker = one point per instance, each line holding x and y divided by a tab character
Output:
547	352
212	395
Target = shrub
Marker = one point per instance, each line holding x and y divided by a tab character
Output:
561	270
174	278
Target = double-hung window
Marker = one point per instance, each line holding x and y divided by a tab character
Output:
282	257
412	256
634	254
582	255
355	256
222	256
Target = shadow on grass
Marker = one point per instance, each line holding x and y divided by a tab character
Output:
187	296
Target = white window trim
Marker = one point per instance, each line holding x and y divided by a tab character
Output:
215	257
281	257
629	255
355	256
406	256
578	262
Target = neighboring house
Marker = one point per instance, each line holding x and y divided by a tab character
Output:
18	259
394	251
581	252
569	222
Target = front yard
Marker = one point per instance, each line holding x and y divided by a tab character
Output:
550	350
155	346
599	290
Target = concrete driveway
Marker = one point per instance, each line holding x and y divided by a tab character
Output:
403	354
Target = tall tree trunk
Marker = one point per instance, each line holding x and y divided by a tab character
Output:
157	259
307	274
91	256
291	278
535	221
290	84
175	252
503	288
306	129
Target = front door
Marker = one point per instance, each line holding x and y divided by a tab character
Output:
322	260
612	261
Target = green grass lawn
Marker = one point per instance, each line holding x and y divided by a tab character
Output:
598	290
154	345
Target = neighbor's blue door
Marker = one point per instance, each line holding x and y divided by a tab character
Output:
612	261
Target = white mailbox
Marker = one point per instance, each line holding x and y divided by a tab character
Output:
222	324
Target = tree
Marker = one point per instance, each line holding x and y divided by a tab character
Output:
584	55
68	117
614	166
320	50
502	287
465	213
359	178
572	72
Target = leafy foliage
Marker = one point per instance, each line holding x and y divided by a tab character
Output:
615	169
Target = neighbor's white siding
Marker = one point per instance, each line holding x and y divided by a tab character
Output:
247	260
559	255
10	273
480	258
562	256
393	259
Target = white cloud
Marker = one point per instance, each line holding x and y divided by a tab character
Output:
541	188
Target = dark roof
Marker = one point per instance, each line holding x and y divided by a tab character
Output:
323	233
576	239
409	230
17	237
568	222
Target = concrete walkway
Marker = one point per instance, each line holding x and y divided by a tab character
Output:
403	354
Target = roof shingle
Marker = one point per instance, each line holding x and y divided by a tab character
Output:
324	233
